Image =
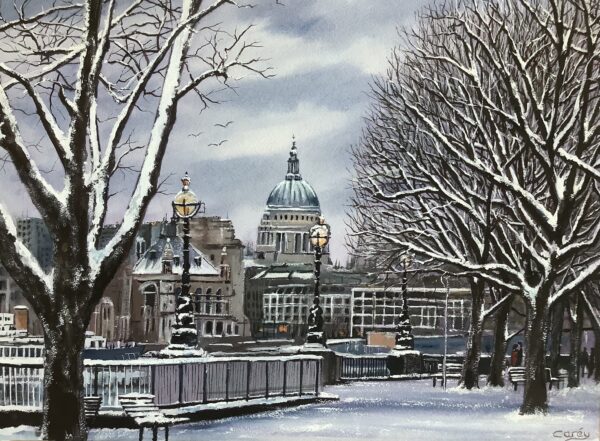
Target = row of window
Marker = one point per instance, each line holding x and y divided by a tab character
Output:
291	217
425	316
216	328
278	300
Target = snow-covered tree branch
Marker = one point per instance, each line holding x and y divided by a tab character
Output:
481	153
86	75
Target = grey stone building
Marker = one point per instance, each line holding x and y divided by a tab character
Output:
292	208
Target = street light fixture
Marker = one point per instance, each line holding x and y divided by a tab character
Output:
319	238
404	338
185	206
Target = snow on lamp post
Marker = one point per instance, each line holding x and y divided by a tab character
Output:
404	338
184	335
319	237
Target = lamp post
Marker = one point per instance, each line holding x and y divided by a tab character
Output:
319	237
185	206
404	338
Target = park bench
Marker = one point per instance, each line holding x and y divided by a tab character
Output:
562	377
145	413
91	406
453	370
516	375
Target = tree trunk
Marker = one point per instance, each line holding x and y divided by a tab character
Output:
498	361
470	373
535	398
575	340
64	416
557	312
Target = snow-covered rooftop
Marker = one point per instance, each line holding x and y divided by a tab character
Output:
172	248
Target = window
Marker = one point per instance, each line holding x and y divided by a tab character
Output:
428	317
456	314
219	328
219	306
208	328
140	247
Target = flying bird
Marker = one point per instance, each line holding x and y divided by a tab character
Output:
195	135
224	125
219	144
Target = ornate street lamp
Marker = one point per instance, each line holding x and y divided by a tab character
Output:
319	237
404	338
185	206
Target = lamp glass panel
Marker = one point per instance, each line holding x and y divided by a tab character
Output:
185	203
319	236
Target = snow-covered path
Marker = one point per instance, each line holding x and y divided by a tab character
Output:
410	410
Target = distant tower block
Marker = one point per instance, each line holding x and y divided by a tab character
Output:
21	318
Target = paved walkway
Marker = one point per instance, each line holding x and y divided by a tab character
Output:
402	410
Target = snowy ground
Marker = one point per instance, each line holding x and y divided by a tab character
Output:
401	410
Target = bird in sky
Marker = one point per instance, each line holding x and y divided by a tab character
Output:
217	144
224	125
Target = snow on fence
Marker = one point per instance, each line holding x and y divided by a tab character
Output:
173	382
363	366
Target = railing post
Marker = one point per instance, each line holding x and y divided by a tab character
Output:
180	395
266	379
317	377
248	371
301	375
153	379
284	376
96	380
227	377
205	384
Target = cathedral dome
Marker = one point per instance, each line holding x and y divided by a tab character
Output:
293	192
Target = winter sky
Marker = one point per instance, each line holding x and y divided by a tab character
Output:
323	54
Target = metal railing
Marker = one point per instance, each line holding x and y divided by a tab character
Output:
363	366
173	382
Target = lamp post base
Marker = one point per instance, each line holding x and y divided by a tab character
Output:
315	337
404	361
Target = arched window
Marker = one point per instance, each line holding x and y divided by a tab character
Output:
219	306
207	305
197	300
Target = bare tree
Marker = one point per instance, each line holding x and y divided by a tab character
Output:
87	74
493	111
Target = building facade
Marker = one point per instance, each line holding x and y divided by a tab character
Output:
215	237
292	208
35	236
285	310
286	291
378	309
157	281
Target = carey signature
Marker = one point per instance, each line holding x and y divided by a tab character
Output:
570	436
